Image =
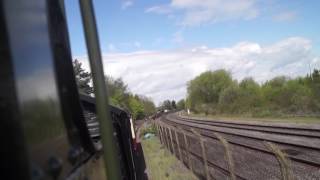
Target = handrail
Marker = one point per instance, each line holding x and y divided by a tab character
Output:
110	154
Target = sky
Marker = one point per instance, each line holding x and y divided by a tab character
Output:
157	46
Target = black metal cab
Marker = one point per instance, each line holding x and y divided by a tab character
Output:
48	130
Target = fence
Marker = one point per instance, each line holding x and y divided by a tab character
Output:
177	141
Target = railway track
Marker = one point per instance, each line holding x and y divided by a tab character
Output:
301	144
305	130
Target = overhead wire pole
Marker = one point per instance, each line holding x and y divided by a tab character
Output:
109	145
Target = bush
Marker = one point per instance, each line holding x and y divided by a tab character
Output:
215	92
151	128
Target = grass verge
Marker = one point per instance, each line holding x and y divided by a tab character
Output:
161	164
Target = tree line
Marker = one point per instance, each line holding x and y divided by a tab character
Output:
217	92
119	94
172	105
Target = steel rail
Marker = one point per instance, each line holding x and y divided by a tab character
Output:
265	138
304	132
213	165
297	159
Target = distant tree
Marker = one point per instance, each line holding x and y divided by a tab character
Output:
206	88
187	103
181	104
139	106
148	105
250	95
297	97
313	82
118	92
136	108
229	99
315	86
216	92
173	104
166	105
273	92
83	78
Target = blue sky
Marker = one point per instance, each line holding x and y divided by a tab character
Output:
264	38
130	28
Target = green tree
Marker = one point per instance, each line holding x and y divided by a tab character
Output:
279	96
173	104
181	104
166	105
118	92
148	105
273	93
250	95
229	99
136	108
313	81
139	106
298	97
205	89
187	103
83	78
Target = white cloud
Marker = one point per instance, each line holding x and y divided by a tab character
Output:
124	45
162	9
195	12
164	74
285	16
126	4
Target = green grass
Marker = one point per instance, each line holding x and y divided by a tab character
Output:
263	119
161	164
150	128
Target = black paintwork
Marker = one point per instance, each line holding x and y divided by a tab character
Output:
67	90
13	150
122	126
41	116
44	132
